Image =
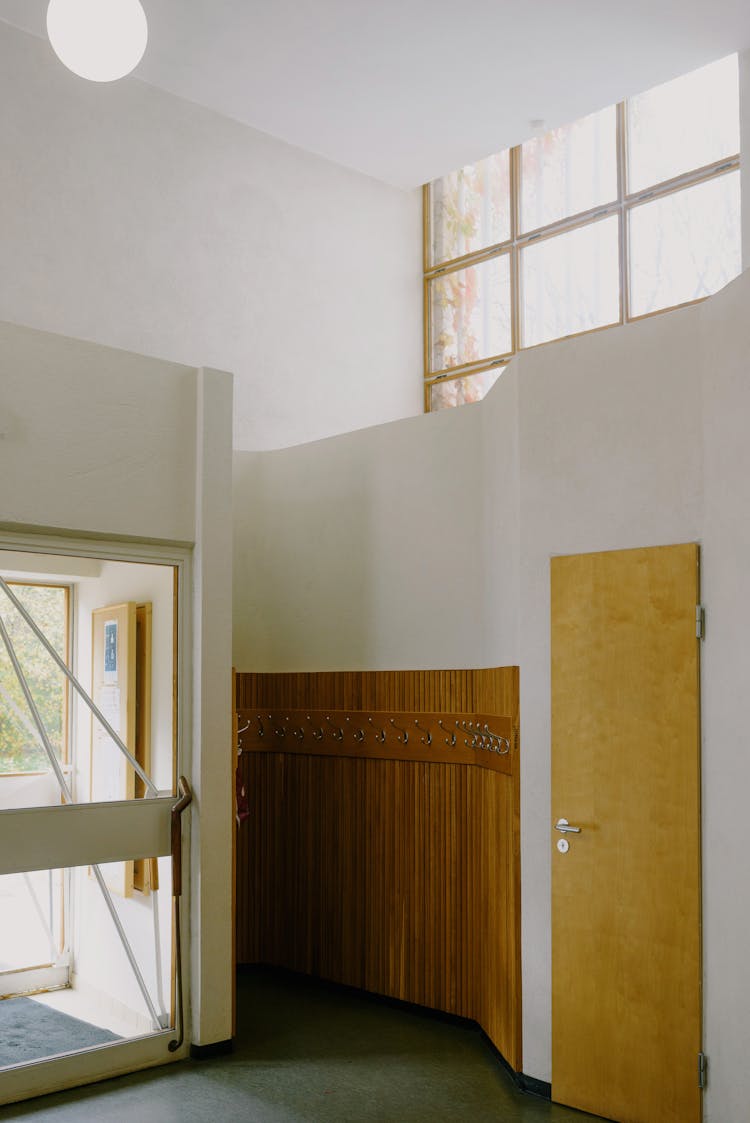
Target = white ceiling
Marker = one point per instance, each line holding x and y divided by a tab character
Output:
405	90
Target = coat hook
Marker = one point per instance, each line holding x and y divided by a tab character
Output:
468	727
498	744
403	736
318	734
244	729
261	730
357	734
451	738
423	740
338	733
378	736
280	731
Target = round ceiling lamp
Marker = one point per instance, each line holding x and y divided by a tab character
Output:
101	40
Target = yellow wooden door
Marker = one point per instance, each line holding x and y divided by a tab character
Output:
626	910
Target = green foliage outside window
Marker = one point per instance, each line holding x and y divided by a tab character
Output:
20	746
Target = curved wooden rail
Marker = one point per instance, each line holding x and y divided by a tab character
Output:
483	740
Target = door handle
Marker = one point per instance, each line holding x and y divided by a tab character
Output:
564	827
186	797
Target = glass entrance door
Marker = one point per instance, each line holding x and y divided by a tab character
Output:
87	789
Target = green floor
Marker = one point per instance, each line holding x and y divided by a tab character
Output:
306	1053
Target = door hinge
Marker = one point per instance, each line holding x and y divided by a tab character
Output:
702	1070
700	622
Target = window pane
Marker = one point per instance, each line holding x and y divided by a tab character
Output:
684	124
686	245
20	747
569	170
570	283
461	391
471	208
470	310
32	932
100	991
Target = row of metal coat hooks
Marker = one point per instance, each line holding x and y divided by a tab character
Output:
310	727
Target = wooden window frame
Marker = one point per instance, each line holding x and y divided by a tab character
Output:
620	207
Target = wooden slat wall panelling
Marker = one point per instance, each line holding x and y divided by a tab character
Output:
398	874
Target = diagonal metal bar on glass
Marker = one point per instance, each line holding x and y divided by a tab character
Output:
68	798
150	785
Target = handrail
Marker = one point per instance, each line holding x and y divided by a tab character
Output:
186	798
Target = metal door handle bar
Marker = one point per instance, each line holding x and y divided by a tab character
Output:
186	797
564	827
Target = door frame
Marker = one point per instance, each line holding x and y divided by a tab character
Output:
72	1070
556	808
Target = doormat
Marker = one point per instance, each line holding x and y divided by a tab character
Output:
31	1031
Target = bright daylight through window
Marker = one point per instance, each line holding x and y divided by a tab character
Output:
630	211
20	747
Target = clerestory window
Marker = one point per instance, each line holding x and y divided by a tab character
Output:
630	211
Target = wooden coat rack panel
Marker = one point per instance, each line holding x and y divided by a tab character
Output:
483	740
400	876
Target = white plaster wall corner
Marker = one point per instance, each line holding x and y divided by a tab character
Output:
212	770
174	231
725	580
744	73
97	439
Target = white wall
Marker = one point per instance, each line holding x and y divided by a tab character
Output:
726	762
136	219
86	433
28	791
426	544
368	550
744	71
